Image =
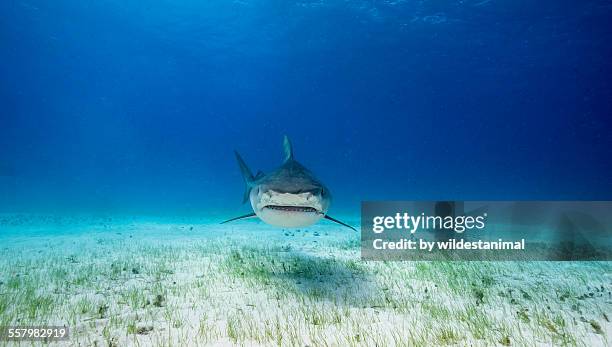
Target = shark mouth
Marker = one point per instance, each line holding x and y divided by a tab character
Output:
305	209
287	202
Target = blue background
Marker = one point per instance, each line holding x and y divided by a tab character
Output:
136	106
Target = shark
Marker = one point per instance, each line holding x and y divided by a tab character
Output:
289	197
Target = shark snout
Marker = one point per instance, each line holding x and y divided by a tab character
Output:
311	201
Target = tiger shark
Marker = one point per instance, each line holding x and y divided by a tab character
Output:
290	196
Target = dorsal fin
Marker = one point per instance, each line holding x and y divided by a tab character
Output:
288	149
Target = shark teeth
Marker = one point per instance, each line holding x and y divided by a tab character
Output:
292	208
304	202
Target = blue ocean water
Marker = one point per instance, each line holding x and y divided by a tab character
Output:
136	107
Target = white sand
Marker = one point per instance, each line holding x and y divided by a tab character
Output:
123	282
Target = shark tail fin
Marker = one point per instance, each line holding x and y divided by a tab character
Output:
246	175
288	149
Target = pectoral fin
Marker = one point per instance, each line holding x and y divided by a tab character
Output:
241	217
339	222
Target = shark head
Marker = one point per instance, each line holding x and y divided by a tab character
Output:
290	196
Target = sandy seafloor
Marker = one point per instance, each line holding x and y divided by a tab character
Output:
121	281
